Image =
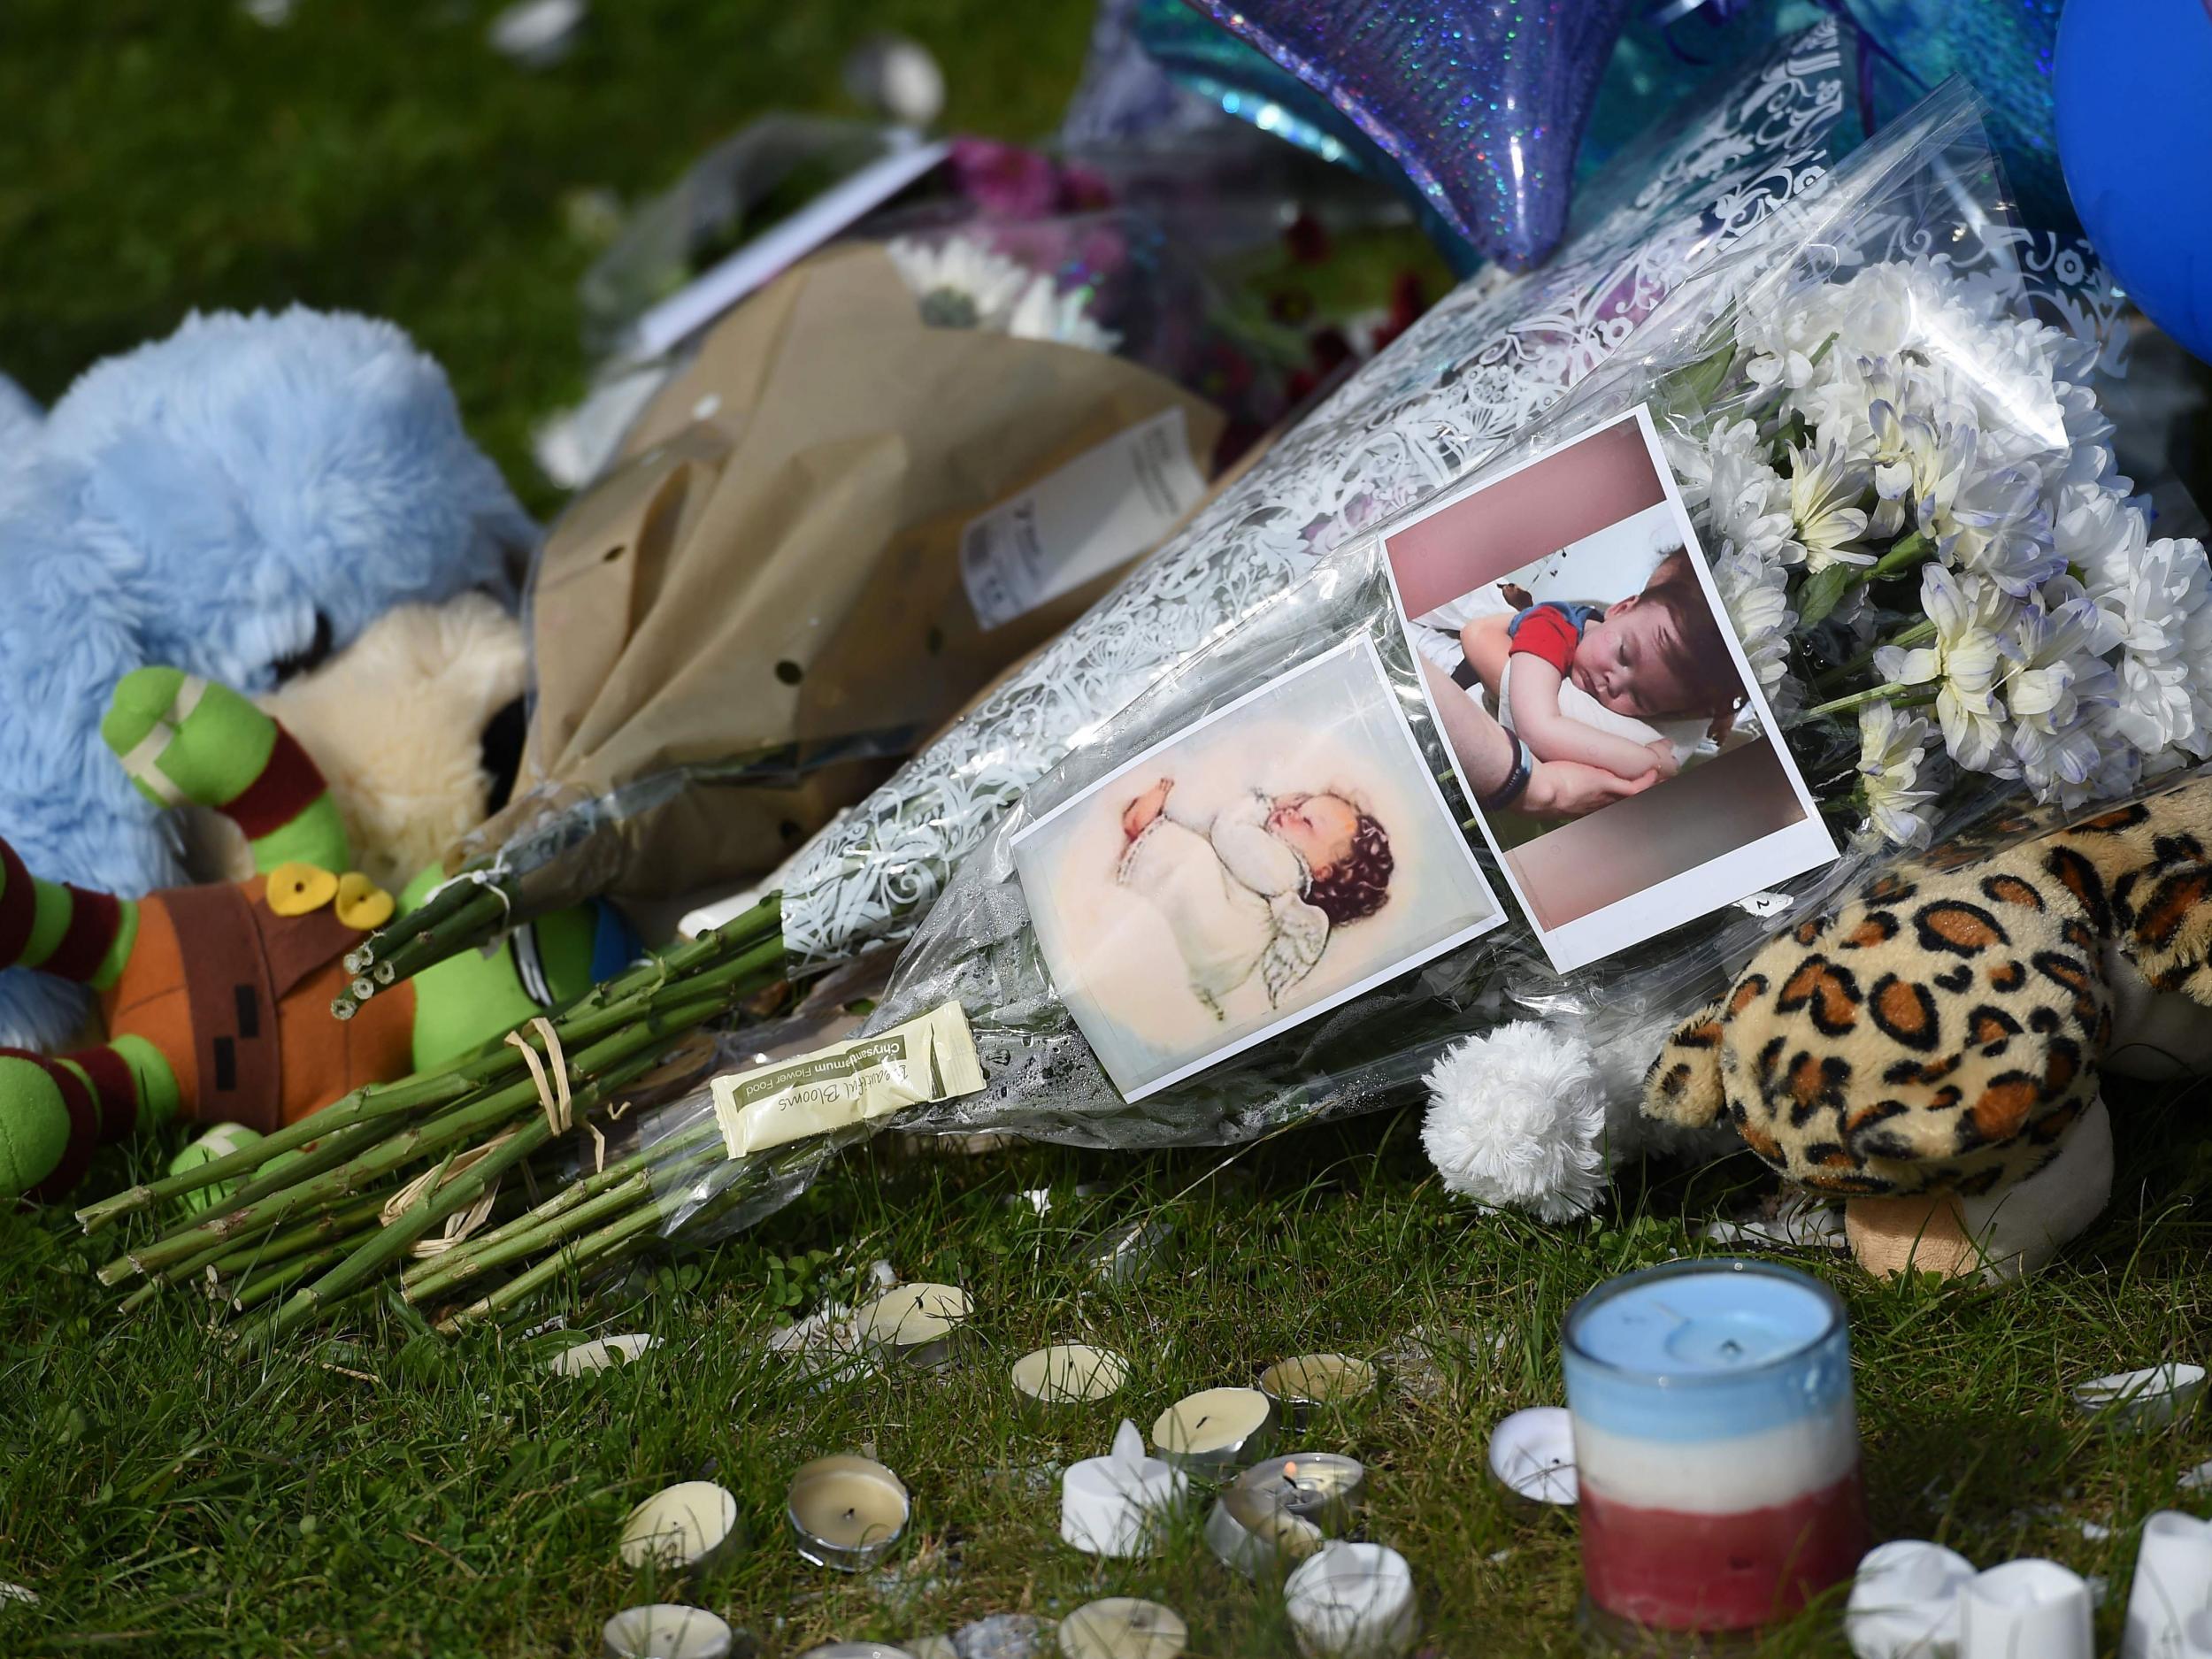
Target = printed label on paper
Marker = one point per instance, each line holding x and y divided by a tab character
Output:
1096	514
929	1058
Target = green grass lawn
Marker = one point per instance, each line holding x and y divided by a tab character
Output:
377	155
390	1493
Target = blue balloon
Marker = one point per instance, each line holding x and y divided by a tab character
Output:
2133	88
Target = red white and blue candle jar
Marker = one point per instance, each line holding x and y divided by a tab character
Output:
1716	1447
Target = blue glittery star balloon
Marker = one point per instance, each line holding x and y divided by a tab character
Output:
1481	102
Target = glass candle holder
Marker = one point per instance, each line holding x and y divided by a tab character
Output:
1716	1447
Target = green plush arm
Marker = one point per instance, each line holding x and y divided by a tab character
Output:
184	739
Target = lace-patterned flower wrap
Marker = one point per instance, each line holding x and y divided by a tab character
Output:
1897	200
1472	372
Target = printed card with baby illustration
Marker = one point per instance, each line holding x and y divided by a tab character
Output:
1625	768
1256	869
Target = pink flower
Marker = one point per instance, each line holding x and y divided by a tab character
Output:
1005	181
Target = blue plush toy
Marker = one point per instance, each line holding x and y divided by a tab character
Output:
238	500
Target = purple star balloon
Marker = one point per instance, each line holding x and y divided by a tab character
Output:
1481	101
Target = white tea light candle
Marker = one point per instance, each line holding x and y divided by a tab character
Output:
2146	1399
848	1513
586	1358
1068	1374
1353	1601
679	1528
1323	1490
1003	1636
1126	1251
2026	1610
1123	1627
2173	1578
1233	1546
1905	1600
1297	1386
1533	1455
914	1323
1217	1431
666	1630
1112	1505
1281	1510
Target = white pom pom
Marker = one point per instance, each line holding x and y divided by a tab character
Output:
1518	1117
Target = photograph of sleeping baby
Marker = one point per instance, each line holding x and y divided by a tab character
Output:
1600	711
1253	870
1631	677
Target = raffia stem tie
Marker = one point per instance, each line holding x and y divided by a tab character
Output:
559	1113
599	1141
463	1223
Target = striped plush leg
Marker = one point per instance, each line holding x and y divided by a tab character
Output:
53	1113
62	930
182	738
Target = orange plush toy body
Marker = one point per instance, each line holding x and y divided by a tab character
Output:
218	998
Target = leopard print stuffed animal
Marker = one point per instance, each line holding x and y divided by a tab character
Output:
1943	1031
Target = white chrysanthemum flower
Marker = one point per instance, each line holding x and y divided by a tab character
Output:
1840	407
1043	312
1897	773
1908	452
2088	458
1746	500
1973	619
1993	523
2157	596
2098	534
2059	691
1888	306
1825	487
2006	366
1753	590
1690	459
959	282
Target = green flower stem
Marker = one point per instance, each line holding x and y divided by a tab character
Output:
569	1197
223	1258
1889	691
633	1053
611	1036
483	913
1914	634
393	1241
640	1187
1910	549
629	1236
331	1223
634	1230
449	901
619	1057
257	1289
372	1102
608	1205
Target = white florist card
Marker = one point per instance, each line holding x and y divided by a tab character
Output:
1566	599
1258	868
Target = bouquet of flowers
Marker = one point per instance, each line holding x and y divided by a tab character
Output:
1850	405
1903	428
1874	417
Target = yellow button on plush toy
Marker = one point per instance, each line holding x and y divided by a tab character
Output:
295	890
361	902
